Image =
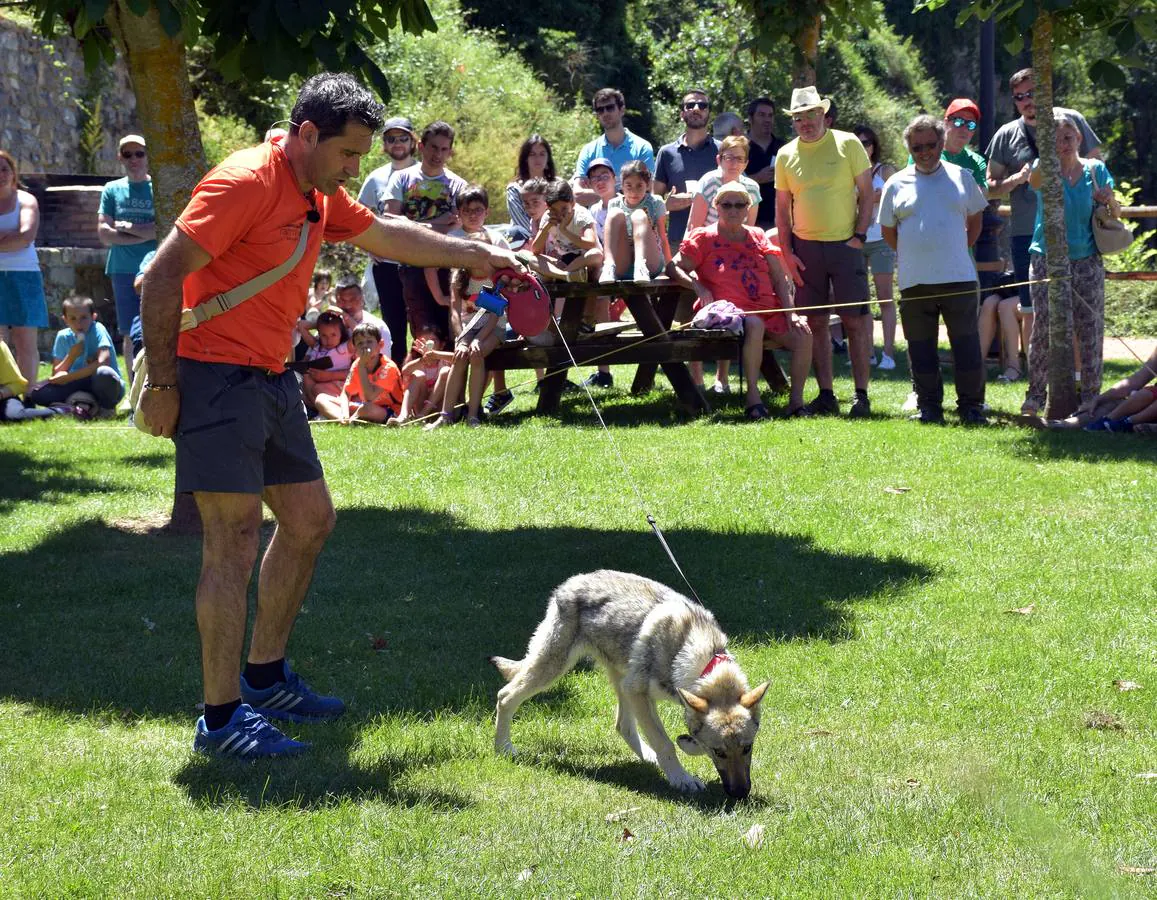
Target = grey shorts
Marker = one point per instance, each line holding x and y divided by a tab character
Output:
833	273
241	429
880	257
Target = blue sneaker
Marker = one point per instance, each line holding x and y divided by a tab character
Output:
1120	426
246	736
292	700
1101	424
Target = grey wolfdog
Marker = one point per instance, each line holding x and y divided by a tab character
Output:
653	643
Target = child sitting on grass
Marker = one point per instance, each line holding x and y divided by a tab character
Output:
332	340
425	372
83	359
373	388
636	229
567	243
1129	405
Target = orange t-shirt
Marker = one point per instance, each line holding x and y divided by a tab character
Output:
387	377
247	214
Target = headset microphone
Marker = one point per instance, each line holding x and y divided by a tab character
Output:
314	216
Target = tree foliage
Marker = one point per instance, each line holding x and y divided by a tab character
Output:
253	40
1127	23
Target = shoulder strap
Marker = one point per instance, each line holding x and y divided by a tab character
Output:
223	302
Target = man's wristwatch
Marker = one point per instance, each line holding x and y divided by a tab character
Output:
861	236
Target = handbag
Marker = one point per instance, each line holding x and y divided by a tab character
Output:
1110	233
210	309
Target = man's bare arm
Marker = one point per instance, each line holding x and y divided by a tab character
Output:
161	292
414	245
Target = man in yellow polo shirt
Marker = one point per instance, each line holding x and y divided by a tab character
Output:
823	205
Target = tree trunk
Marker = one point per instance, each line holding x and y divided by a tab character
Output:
807	47
1062	396
156	64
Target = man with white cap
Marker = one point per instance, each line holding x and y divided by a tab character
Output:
127	226
399	142
823	205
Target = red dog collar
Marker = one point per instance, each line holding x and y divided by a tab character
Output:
715	660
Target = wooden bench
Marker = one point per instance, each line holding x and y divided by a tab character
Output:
653	345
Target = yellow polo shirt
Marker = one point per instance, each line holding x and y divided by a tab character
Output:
821	177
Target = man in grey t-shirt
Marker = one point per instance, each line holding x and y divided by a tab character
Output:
930	213
1010	156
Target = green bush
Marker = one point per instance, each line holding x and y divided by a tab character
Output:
223	134
490	96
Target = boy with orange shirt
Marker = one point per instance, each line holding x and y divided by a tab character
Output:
373	390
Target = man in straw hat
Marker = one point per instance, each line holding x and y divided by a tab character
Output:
823	204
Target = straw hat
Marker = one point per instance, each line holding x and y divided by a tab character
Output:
805	98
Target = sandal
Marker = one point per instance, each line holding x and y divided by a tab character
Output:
444	418
757	411
800	412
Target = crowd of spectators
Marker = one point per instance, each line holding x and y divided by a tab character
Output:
729	208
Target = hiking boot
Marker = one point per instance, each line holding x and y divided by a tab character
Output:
247	735
498	401
600	380
973	416
291	699
861	407
824	404
928	417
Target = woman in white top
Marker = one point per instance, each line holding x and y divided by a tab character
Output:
878	256
22	306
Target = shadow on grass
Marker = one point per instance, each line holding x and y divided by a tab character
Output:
1082	446
405	608
323	777
31	479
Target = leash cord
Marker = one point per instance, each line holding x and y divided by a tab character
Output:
627	472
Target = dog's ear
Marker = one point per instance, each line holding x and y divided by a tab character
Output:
752	697
689	745
694	701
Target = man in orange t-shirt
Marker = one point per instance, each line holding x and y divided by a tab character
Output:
222	392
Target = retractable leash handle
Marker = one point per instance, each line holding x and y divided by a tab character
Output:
527	309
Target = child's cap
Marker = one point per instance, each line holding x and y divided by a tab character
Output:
600	161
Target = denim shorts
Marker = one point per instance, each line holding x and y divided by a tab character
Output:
881	258
241	429
22	300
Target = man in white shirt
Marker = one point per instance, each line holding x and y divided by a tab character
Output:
930	213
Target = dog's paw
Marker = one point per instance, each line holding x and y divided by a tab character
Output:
647	755
686	782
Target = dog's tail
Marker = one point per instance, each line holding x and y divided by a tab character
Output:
507	667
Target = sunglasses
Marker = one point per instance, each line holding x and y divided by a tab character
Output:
397	139
806	116
728	204
133	154
611	107
924	148
696	104
958	122
600	176
1026	95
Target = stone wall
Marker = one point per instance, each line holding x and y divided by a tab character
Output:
41	84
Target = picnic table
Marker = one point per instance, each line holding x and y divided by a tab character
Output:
650	343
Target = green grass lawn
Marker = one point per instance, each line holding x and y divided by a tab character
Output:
918	739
